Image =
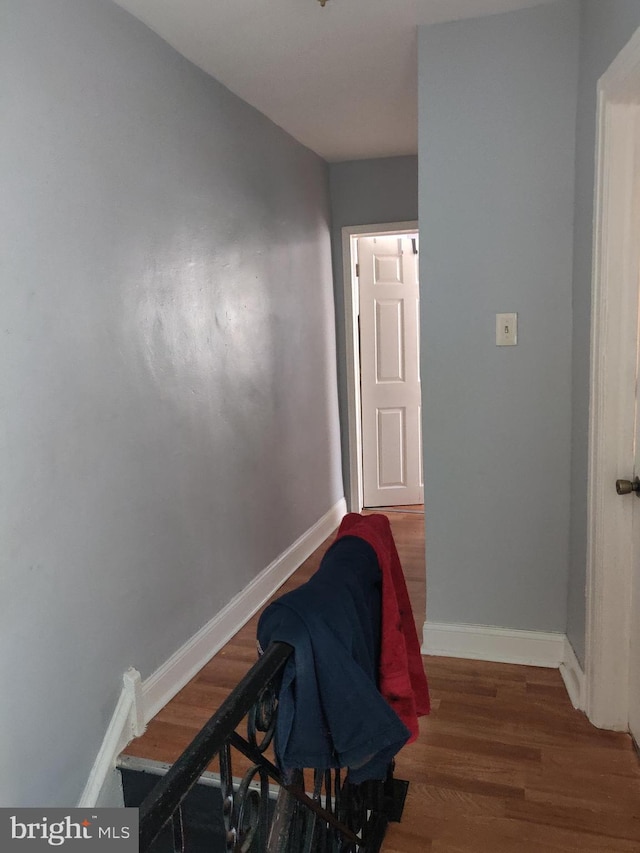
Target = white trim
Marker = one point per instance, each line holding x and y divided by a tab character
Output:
507	645
500	645
172	676
119	733
350	287
140	702
573	676
612	397
133	687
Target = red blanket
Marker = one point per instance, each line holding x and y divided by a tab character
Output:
402	680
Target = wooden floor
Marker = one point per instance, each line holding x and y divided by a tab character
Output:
503	764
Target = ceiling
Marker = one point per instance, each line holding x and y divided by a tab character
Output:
341	79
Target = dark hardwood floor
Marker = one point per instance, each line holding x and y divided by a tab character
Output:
504	763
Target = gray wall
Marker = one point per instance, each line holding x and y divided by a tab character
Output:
167	368
497	102
365	192
606	26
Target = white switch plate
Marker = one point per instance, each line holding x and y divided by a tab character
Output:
506	330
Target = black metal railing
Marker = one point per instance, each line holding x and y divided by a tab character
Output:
334	817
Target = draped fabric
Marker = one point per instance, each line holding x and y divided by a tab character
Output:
401	678
346	627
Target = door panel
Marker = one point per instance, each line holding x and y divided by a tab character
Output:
634	622
634	646
390	373
389	335
392	469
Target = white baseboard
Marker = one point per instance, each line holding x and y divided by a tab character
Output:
501	645
101	788
181	667
573	676
506	645
139	703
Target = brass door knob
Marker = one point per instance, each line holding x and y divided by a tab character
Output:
625	487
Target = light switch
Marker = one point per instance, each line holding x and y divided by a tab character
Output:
506	330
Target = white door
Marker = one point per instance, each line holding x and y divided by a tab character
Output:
612	660
389	370
634	264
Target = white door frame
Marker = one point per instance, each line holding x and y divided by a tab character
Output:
614	333
351	233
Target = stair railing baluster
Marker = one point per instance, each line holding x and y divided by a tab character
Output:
336	818
177	826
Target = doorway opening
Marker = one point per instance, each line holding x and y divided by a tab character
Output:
380	268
